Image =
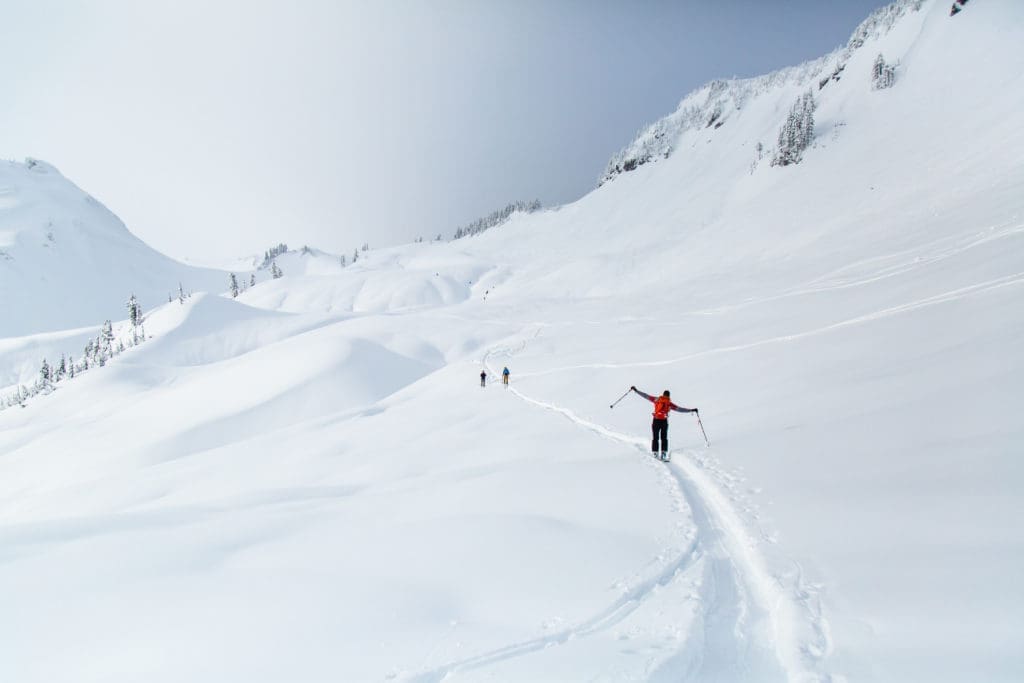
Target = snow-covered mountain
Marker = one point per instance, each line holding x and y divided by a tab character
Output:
719	102
309	483
67	261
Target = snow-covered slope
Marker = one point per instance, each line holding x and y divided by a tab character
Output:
308	483
303	261
66	261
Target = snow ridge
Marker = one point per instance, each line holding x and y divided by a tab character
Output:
712	105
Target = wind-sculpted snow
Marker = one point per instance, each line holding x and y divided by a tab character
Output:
361	291
309	482
208	329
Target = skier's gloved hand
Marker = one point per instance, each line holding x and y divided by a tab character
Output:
632	388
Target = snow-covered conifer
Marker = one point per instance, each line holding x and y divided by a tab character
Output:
252	279
107	337
233	285
882	75
797	132
133	310
45	376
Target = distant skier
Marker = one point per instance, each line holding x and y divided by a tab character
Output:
504	376
483	378
659	426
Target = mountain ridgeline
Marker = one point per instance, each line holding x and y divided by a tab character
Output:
722	102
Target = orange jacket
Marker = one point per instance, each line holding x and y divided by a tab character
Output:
661	407
663	404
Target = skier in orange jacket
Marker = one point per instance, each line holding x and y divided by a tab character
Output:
659	426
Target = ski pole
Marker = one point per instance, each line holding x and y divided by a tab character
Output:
706	442
620	398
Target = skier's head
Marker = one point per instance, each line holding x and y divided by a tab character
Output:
666	394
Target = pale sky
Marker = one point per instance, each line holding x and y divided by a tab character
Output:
217	128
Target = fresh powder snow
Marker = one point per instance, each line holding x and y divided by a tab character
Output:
307	482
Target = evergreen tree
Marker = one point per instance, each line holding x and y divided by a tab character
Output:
233	285
878	67
133	311
134	317
252	280
882	75
107	338
797	132
342	260
275	272
181	294
45	376
355	256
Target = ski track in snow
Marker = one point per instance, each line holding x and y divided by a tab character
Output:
751	621
611	615
906	261
952	295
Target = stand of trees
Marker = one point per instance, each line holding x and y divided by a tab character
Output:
97	352
496	218
797	132
882	75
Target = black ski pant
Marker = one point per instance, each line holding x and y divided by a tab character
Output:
659	428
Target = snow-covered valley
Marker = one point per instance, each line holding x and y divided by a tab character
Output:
308	483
